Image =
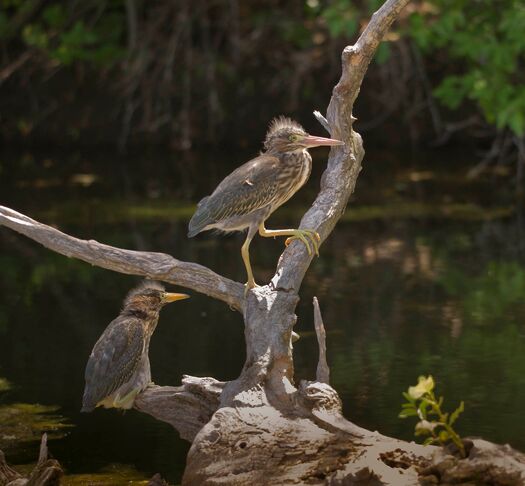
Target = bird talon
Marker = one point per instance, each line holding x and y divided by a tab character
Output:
315	239
248	286
308	237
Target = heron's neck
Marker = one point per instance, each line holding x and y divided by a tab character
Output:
300	156
142	312
291	156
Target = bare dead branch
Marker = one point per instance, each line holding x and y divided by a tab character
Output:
322	120
344	163
7	71
323	371
158	266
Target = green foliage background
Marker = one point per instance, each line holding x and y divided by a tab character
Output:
484	44
473	52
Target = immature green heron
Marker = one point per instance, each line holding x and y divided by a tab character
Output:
118	367
247	197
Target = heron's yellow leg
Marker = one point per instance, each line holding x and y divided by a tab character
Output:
308	237
126	402
116	401
245	252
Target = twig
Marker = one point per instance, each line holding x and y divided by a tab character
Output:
323	121
435	115
8	70
158	266
493	154
323	371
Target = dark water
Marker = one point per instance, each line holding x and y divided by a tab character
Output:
425	274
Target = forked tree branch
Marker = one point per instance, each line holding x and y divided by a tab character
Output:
158	266
337	185
339	179
269	314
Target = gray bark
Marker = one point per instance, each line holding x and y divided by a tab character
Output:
157	266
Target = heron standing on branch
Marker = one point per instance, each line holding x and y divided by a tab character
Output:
118	368
246	198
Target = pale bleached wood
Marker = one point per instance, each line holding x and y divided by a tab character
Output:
323	371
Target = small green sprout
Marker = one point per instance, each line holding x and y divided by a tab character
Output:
422	403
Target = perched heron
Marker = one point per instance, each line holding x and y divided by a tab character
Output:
246	198
118	367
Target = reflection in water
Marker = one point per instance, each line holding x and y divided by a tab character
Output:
407	294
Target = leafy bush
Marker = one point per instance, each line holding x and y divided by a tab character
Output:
65	38
485	45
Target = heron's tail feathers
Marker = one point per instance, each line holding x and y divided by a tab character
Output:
200	219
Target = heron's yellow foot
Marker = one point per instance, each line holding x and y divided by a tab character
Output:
308	237
249	285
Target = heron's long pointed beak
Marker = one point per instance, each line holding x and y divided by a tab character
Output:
169	297
313	141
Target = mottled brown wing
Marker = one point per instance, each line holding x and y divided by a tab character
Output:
247	189
114	359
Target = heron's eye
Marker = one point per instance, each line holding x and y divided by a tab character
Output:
293	138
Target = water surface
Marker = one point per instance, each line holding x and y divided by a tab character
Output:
425	274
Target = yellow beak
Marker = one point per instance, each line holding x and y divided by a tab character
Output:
169	297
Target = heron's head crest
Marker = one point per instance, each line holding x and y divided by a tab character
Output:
285	135
283	123
280	133
147	288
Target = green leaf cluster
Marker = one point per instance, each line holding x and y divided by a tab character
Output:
485	40
434	424
341	18
97	37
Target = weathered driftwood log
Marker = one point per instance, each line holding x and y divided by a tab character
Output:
47	472
7	473
262	428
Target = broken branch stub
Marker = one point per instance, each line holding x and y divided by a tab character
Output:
323	371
